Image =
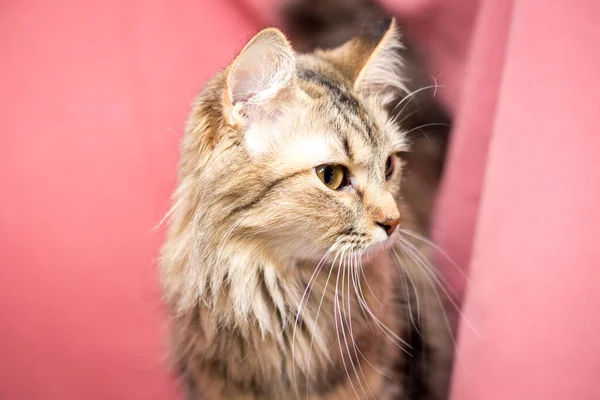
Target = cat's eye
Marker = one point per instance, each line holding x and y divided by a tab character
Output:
333	176
389	167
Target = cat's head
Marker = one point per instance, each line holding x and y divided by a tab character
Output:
295	154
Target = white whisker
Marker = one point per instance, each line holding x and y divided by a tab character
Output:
425	126
336	312
349	323
307	290
385	329
428	274
369	287
355	278
317	320
409	248
404	272
408	96
436	247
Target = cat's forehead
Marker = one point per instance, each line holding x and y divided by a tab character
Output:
340	120
317	137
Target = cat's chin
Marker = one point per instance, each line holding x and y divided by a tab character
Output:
379	247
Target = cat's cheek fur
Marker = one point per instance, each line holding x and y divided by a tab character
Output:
256	143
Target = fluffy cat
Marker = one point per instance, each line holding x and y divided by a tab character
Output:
285	264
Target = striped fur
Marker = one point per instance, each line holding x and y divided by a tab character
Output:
277	285
327	24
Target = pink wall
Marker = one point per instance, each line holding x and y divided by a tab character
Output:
519	203
94	96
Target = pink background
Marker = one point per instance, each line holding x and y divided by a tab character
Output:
94	96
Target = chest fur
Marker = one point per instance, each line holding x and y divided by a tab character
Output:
341	339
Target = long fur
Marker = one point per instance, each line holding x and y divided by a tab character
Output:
277	285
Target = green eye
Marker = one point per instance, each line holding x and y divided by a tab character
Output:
333	176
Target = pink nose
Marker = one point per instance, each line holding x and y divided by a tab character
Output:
389	225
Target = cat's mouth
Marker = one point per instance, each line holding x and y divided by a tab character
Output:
345	249
379	245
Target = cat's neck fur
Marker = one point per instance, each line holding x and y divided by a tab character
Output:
254	324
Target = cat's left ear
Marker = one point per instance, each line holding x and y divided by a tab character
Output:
371	60
259	78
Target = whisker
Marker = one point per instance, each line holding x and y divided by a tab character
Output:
336	312
437	248
408	96
427	275
349	324
355	278
351	276
385	329
421	261
404	272
426	126
404	117
307	290
430	270
317	320
369	287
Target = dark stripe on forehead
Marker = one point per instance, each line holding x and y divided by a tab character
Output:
346	104
347	149
270	186
337	90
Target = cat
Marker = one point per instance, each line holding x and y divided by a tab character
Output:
290	267
312	24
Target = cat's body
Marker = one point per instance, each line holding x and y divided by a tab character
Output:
281	285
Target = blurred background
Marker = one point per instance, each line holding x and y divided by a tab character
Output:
93	98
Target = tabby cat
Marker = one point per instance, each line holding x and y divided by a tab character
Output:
291	267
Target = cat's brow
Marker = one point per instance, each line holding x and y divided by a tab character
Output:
348	106
347	149
270	186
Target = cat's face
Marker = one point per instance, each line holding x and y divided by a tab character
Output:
311	159
334	172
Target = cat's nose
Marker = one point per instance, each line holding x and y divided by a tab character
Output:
389	225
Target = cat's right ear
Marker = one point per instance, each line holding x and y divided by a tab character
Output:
259	77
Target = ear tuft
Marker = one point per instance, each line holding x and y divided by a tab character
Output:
371	61
264	68
383	66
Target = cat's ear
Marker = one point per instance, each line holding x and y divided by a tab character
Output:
371	60
259	77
